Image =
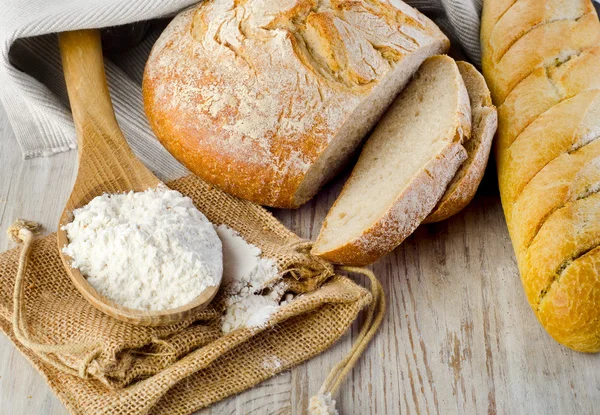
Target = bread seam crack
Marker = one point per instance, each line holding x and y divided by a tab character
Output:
570	151
563	99
560	271
532	28
559	91
555	64
557	88
226	44
498	20
564	205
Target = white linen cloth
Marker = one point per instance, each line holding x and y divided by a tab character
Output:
32	87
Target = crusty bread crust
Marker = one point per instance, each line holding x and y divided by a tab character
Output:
404	216
250	94
548	155
484	121
578	224
555	132
541	46
552	85
415	201
569	177
573	323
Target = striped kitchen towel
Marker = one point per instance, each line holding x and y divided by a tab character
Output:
33	91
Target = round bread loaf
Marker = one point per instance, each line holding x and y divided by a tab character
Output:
266	99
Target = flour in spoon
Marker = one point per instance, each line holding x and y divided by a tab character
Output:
150	250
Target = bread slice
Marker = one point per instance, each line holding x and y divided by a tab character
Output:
403	170
484	121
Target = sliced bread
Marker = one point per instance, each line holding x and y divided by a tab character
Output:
403	170
484	119
269	99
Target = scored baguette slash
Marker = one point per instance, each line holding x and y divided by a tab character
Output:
540	46
484	121
521	108
403	170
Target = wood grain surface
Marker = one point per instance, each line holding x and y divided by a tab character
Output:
458	337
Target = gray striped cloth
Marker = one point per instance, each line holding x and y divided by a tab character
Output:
33	91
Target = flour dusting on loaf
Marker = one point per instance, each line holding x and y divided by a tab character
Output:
251	95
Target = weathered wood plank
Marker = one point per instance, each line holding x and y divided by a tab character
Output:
34	189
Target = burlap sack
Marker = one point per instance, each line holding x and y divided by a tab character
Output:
123	369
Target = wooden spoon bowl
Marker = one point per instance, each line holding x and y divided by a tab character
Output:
106	165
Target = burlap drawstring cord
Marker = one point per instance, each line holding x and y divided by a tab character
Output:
23	232
373	320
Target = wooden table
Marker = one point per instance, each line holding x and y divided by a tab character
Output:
458	337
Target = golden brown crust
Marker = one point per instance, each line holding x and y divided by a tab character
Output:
574	323
542	61
553	133
565	179
566	235
523	16
484	120
552	85
541	46
248	95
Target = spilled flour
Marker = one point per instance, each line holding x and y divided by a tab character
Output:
246	277
272	363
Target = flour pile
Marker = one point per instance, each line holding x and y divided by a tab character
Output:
150	250
246	278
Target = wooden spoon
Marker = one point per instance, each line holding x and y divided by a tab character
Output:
106	165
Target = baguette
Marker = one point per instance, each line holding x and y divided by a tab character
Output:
267	99
541	46
542	61
403	170
566	127
484	121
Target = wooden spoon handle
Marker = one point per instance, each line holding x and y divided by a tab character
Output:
104	155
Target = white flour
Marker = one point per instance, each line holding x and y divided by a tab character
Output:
272	363
149	250
245	276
